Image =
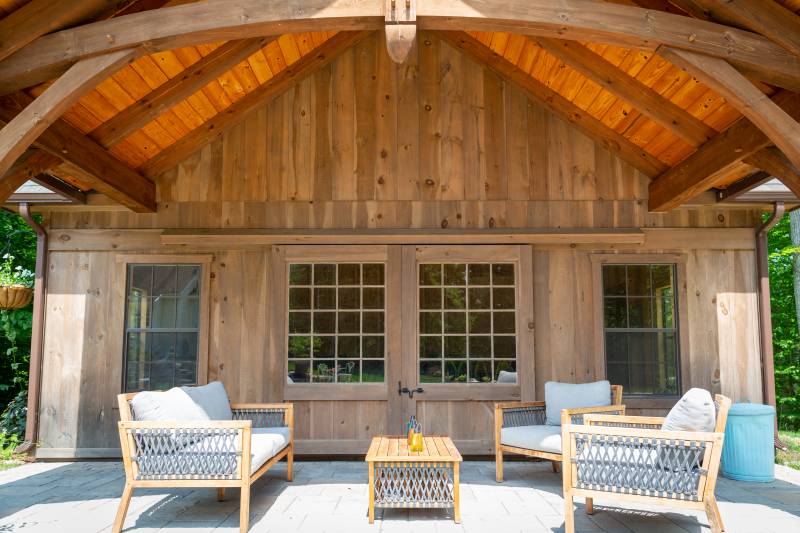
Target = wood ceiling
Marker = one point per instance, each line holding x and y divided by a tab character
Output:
155	111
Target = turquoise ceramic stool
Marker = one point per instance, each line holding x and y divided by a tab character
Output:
749	450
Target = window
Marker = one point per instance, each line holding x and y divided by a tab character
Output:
640	328
336	328
467	323
162	326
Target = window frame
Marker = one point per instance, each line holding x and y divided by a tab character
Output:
678	261
124	261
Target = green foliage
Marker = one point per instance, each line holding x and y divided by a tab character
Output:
785	336
12	420
18	253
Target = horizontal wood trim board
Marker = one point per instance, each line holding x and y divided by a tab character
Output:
78	453
700	238
335	392
403	236
468	392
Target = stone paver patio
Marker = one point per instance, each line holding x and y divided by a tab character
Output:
332	496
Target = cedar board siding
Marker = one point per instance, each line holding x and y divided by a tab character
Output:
439	142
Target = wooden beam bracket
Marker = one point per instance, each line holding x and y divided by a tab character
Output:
401	28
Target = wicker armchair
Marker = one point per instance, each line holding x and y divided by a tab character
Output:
200	454
630	458
518	414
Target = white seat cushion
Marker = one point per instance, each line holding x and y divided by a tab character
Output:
558	396
212	399
540	438
265	444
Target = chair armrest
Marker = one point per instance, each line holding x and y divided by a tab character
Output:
265	415
645	422
576	414
197	450
514	414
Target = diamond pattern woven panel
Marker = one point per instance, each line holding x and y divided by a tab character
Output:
524	416
638	465
414	485
186	453
261	417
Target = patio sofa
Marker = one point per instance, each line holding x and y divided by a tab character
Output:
194	437
672	461
534	428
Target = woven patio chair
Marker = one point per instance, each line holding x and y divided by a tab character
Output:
629	458
209	453
537	438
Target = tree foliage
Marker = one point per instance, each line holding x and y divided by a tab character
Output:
785	336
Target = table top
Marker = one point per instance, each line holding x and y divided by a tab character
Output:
393	448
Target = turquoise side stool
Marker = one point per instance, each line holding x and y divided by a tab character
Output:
749	450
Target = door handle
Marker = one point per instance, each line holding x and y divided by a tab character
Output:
405	390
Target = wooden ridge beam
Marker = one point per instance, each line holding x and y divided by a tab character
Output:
30	164
590	126
84	75
176	89
214	20
39	17
236	112
659	109
778	165
102	171
696	173
718	74
768	18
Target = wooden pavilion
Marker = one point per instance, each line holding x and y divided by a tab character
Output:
330	201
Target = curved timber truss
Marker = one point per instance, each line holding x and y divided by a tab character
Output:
747	51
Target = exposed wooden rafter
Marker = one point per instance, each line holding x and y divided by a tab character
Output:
768	18
743	186
628	88
696	173
59	187
778	165
718	74
565	109
102	171
24	128
27	166
234	114
213	20
39	17
167	95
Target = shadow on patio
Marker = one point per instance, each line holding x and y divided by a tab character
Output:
332	496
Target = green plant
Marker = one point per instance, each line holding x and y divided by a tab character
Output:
12	274
791	456
12	419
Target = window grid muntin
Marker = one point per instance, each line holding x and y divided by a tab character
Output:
148	340
670	372
311	310
443	359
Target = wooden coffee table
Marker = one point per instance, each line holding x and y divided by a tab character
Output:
399	478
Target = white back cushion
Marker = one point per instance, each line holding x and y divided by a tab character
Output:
507	377
695	411
558	396
212	399
174	404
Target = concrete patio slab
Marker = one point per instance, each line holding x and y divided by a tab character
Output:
332	497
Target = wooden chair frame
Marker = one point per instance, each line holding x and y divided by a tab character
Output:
244	479
500	409
643	427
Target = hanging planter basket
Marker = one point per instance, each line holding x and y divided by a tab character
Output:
15	296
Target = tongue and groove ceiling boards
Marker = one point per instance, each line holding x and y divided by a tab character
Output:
107	95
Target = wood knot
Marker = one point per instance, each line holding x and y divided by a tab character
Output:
381	181
429	182
428	107
444	223
491	222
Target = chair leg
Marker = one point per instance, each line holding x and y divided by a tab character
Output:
589	505
714	518
244	509
290	463
221	494
125	500
498	464
569	517
556	466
